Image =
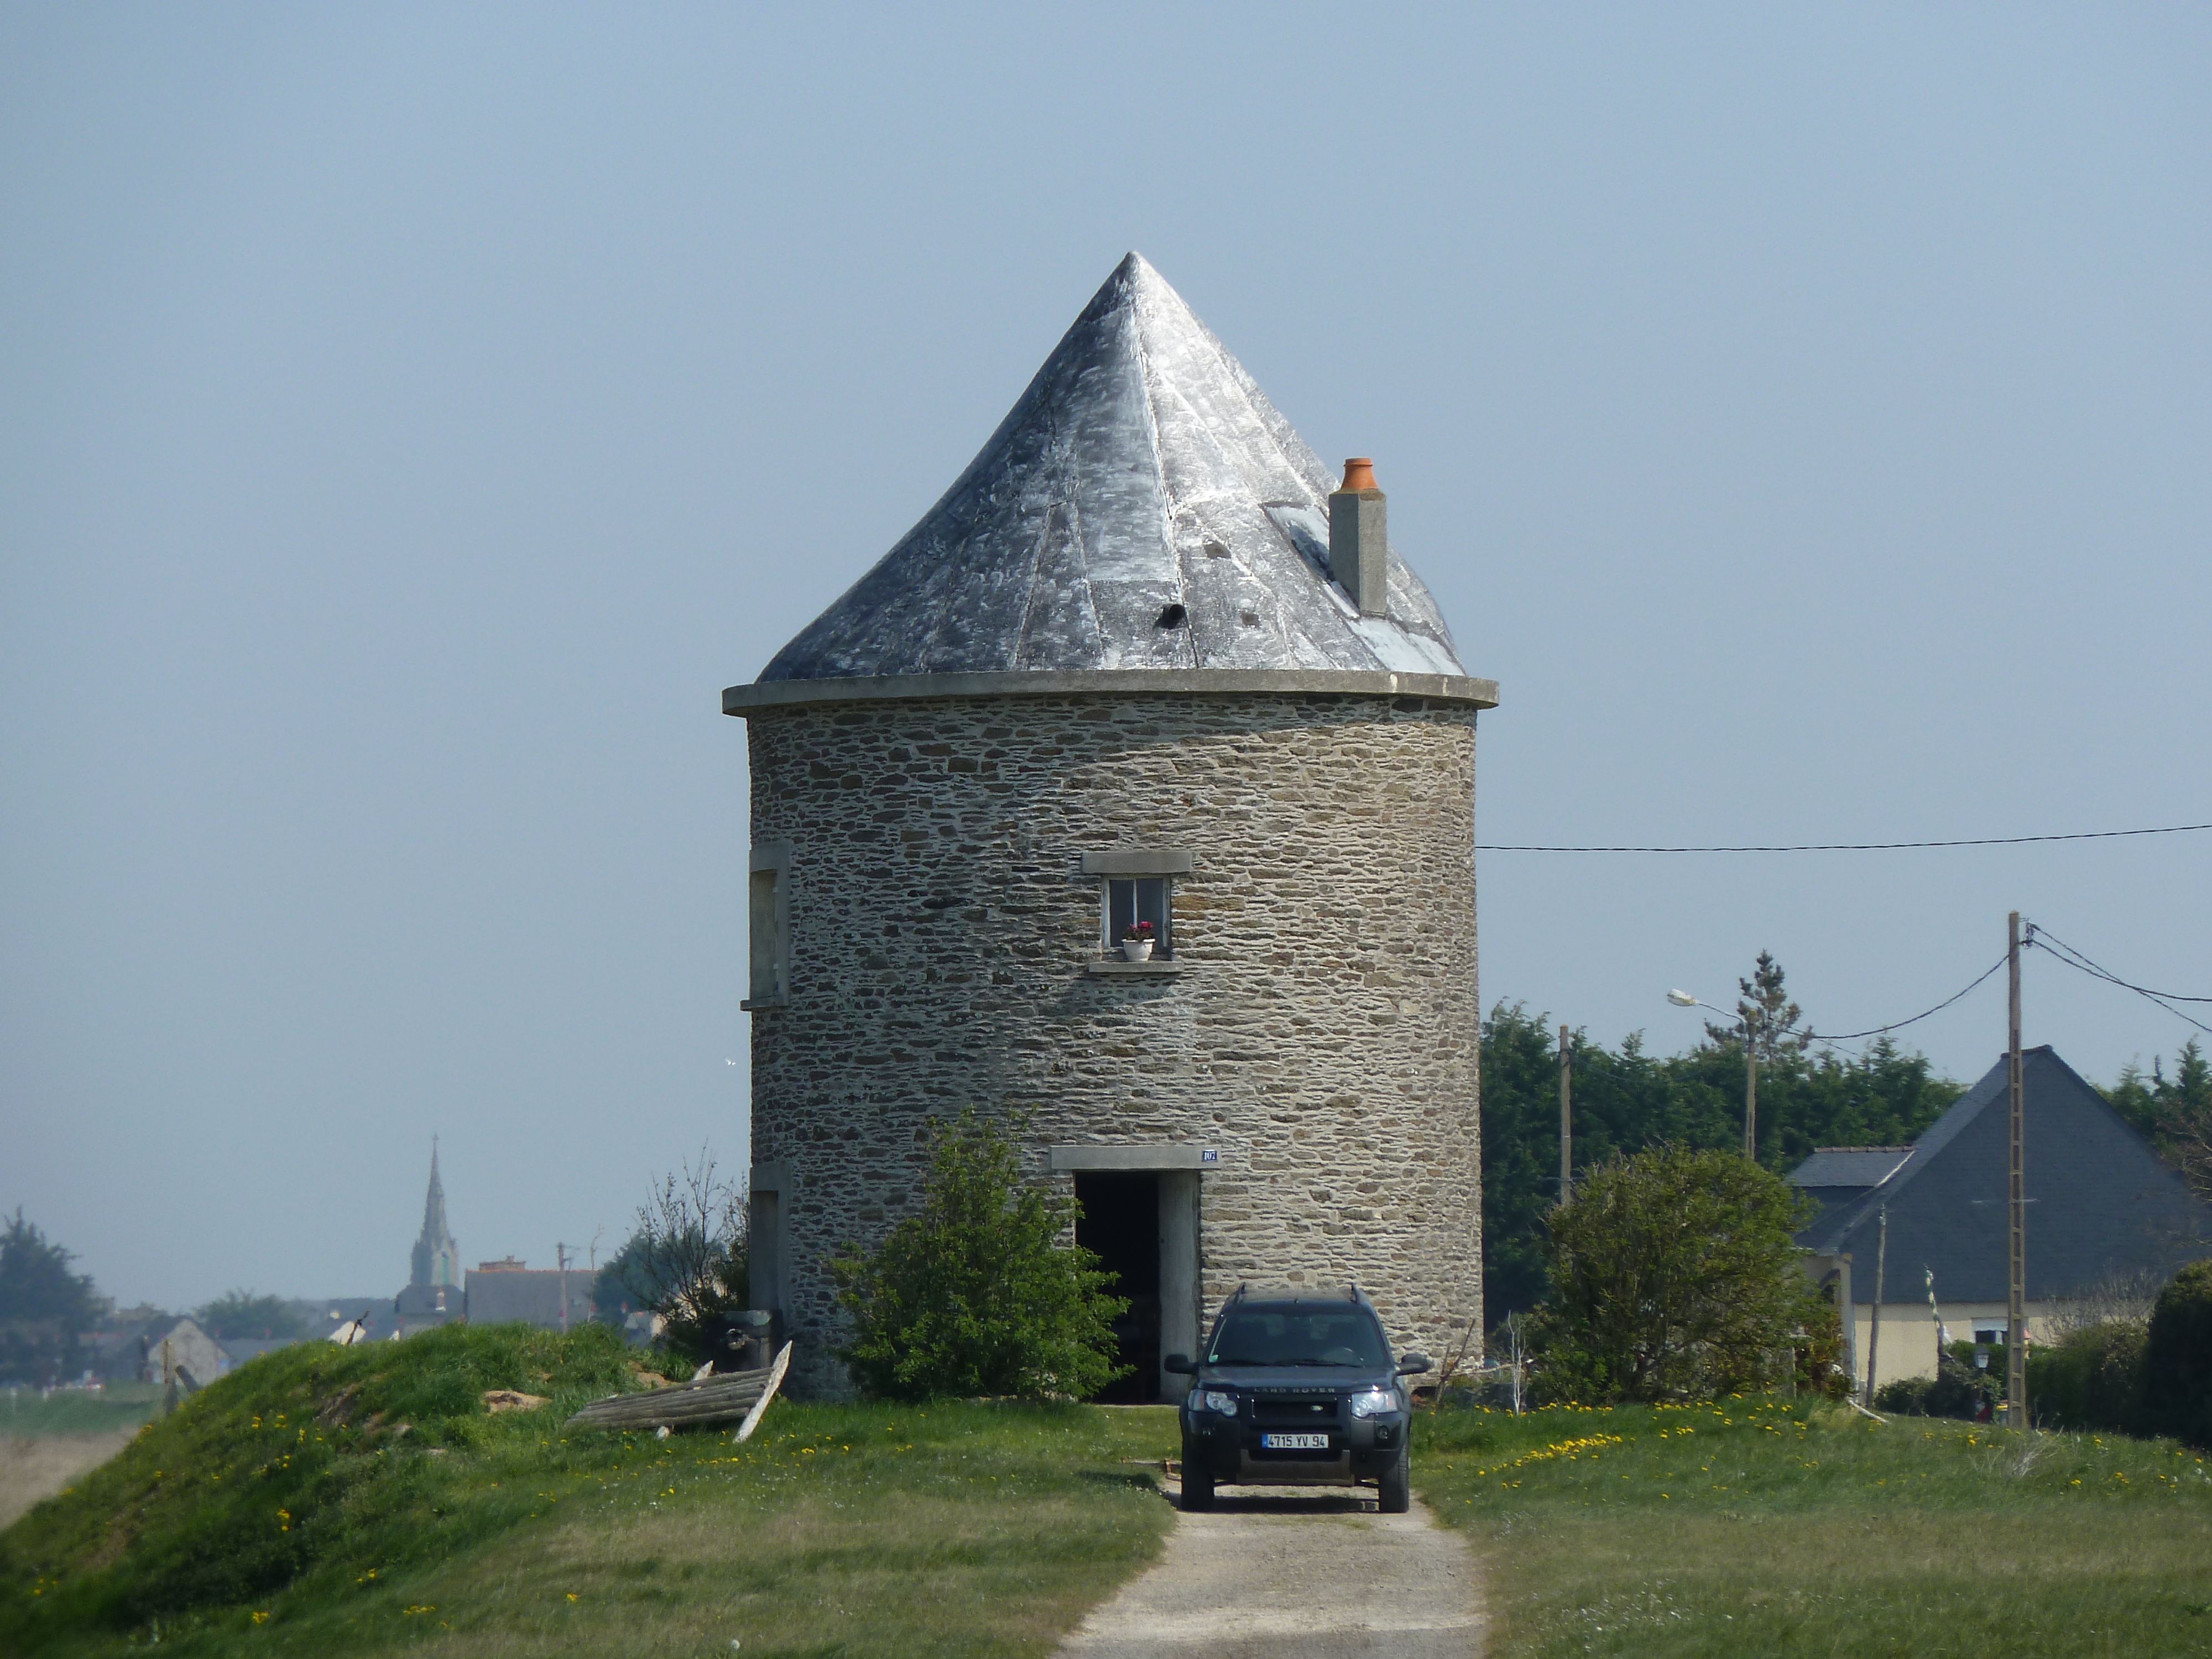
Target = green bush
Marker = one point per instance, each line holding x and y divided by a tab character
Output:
975	1294
1675	1276
2089	1379
1958	1390
2177	1358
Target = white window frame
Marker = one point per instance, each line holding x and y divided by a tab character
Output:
1161	864
1109	942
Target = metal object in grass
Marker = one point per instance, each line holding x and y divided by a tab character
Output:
733	1397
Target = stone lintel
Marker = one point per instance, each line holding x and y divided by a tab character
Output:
1112	681
1132	1157
1137	861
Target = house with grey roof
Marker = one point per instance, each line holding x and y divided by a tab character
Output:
1129	800
2102	1210
553	1298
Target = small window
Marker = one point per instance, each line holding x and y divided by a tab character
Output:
1138	906
770	917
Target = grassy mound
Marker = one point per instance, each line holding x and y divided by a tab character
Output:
342	1502
312	1461
1775	1527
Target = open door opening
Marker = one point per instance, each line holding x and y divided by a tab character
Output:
1119	1224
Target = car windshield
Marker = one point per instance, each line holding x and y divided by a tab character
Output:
1315	1337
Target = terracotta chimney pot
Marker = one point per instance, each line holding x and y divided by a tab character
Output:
1359	550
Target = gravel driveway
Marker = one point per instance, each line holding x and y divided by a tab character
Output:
1296	1573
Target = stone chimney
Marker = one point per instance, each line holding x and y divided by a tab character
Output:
1359	557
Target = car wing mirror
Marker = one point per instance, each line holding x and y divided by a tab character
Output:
1181	1364
1413	1364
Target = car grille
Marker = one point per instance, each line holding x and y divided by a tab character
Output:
1308	1411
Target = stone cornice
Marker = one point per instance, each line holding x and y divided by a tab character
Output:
1112	681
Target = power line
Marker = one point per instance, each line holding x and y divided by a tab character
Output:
2037	935
1862	846
2073	959
1899	1025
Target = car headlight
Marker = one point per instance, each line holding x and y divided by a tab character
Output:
1213	1400
1375	1402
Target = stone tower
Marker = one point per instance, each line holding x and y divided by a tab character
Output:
1146	662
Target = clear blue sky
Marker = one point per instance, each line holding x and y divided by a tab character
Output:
411	417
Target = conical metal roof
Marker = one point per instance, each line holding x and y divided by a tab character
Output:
1141	470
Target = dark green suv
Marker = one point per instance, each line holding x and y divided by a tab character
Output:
1296	1391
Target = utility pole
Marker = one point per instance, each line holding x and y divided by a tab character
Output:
1751	1087
2017	1288
1566	1122
1880	1270
561	1257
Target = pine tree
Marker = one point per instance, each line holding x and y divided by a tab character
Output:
2174	1112
44	1308
1766	1009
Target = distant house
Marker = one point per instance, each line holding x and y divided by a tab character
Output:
499	1291
2102	1210
186	1354
128	1349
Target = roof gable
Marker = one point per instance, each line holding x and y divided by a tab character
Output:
2101	1202
1142	468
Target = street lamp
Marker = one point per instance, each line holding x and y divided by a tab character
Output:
1684	1000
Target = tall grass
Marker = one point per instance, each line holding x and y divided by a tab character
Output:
1761	1525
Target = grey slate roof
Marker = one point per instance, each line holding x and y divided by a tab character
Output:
1141	469
1838	1176
2100	1203
1850	1166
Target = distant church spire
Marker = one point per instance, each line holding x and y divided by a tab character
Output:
437	1259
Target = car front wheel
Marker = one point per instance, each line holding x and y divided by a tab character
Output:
1197	1484
1396	1484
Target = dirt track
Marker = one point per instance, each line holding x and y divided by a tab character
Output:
32	1468
1309	1573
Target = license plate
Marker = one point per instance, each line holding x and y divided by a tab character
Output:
1295	1442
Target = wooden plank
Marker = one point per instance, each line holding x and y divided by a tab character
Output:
768	1392
727	1397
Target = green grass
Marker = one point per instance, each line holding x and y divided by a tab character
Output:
1761	1527
73	1410
356	1501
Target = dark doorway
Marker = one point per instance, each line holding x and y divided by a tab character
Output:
1119	1224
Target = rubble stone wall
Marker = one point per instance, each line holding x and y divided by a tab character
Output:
1321	1034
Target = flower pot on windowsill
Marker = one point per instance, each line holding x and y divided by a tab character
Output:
1137	949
